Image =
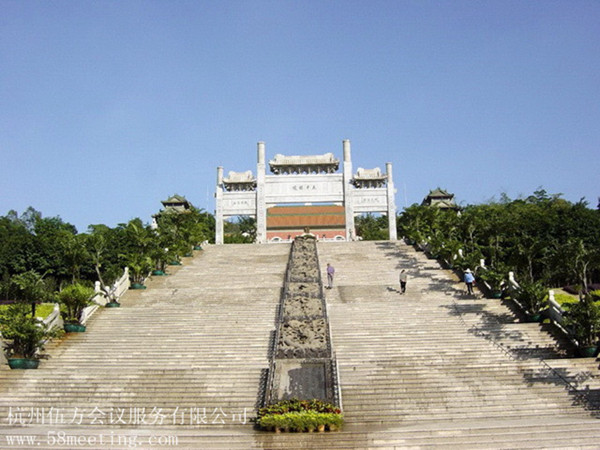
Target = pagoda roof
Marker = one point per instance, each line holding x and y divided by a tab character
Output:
176	199
439	193
174	204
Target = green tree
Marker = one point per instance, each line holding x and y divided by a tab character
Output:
371	228
241	230
25	335
142	242
30	288
75	298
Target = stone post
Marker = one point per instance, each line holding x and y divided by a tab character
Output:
219	207
391	203
348	191
261	207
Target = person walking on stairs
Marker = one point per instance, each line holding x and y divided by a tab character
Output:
330	272
403	279
469	280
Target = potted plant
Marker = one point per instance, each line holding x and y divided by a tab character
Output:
160	257
139	266
583	320
75	298
25	336
532	298
495	280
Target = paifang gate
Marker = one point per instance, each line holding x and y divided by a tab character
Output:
305	180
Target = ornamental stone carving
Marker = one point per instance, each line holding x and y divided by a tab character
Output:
239	181
282	164
302	361
311	179
369	178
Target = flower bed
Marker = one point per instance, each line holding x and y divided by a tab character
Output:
300	415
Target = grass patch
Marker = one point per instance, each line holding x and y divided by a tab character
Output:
42	310
562	297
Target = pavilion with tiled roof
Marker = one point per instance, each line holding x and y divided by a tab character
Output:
440	199
174	204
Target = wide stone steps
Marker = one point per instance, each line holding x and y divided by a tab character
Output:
198	338
430	369
434	353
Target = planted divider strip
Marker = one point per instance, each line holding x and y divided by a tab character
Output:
302	361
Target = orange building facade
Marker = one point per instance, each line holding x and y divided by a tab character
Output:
284	223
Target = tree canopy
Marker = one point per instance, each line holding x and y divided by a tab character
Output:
542	237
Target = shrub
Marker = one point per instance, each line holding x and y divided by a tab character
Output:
75	298
583	319
25	335
532	296
301	421
300	415
494	278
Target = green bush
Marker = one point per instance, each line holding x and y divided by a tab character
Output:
75	298
25	335
583	318
532	297
295	405
300	415
301	421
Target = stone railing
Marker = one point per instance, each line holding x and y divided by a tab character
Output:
303	363
115	292
556	313
101	298
54	319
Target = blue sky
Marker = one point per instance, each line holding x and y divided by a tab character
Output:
108	107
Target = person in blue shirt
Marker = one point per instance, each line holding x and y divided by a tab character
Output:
469	280
330	272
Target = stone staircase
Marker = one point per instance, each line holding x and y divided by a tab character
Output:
183	360
437	367
191	351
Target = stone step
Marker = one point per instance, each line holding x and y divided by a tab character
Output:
429	369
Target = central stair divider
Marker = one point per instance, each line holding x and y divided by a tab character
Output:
302	361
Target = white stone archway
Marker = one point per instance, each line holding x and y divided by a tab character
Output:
304	179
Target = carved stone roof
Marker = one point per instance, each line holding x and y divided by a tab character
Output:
327	158
326	163
369	178
239	177
240	181
369	174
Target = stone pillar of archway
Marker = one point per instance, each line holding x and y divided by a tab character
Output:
261	206
219	207
391	203
348	190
